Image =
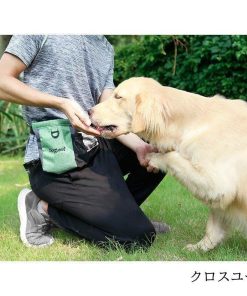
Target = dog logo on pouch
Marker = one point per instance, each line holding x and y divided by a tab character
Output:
55	134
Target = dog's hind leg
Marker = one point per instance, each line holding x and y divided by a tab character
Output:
215	232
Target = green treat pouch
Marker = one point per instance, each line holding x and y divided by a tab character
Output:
55	141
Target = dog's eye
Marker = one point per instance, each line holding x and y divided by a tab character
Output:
118	97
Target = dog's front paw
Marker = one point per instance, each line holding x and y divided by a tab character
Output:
191	247
155	160
197	247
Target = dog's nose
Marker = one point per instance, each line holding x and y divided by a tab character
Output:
90	112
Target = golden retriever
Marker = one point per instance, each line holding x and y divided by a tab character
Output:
201	141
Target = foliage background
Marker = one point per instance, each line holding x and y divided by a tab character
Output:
206	65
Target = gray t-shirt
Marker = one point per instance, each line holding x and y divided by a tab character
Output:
77	67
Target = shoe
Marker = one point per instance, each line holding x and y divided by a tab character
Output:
161	227
34	228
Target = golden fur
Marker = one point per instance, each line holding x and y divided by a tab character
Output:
201	141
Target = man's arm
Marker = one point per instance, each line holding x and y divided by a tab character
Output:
15	91
132	141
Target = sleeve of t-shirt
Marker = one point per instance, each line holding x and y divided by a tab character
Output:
109	81
25	47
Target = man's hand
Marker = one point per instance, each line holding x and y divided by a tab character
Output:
78	117
141	152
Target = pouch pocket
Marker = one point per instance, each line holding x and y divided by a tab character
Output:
55	145
85	148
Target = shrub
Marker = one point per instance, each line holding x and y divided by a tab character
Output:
207	65
13	129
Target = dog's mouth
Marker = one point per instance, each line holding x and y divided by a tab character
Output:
104	128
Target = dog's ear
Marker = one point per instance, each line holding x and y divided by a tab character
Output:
138	124
151	114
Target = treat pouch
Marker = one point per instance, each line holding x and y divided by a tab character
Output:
55	142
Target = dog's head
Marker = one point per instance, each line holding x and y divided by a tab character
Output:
134	107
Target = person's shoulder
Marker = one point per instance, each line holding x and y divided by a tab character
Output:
108	44
35	38
26	41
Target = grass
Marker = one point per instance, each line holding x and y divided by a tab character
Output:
170	202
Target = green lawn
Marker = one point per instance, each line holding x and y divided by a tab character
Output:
170	203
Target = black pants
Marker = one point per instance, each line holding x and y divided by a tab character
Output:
95	202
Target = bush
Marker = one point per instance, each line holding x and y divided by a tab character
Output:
13	129
206	65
